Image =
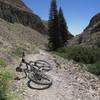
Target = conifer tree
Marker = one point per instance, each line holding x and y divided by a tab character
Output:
53	28
63	29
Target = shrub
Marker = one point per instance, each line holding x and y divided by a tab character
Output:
98	43
4	78
2	63
86	55
94	68
80	39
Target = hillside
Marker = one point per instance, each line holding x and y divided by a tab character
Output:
90	35
15	11
17	3
20	29
16	38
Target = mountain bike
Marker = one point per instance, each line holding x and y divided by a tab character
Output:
35	71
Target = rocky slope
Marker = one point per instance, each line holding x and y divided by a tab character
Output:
68	82
94	21
15	11
20	30
17	3
16	38
90	35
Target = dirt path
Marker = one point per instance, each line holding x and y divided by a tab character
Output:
68	83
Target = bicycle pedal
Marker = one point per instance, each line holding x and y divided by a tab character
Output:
16	78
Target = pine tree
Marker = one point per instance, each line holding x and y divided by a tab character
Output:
63	29
53	28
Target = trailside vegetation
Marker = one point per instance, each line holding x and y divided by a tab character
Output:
86	55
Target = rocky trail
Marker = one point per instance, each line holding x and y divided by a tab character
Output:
68	82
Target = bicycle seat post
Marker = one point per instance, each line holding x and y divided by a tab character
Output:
23	57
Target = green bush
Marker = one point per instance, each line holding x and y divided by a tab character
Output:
2	63
86	55
94	68
4	78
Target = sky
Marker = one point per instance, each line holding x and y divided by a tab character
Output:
76	12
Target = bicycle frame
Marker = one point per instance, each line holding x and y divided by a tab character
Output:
33	68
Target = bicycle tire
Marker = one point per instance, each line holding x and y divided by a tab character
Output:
29	85
45	80
41	64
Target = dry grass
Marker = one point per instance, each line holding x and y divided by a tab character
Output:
15	38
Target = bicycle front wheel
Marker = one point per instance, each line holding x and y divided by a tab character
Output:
29	84
42	80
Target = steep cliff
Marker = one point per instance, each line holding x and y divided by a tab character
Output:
90	35
17	3
94	21
15	11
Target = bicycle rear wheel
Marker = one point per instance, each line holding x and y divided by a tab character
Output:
41	64
43	80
